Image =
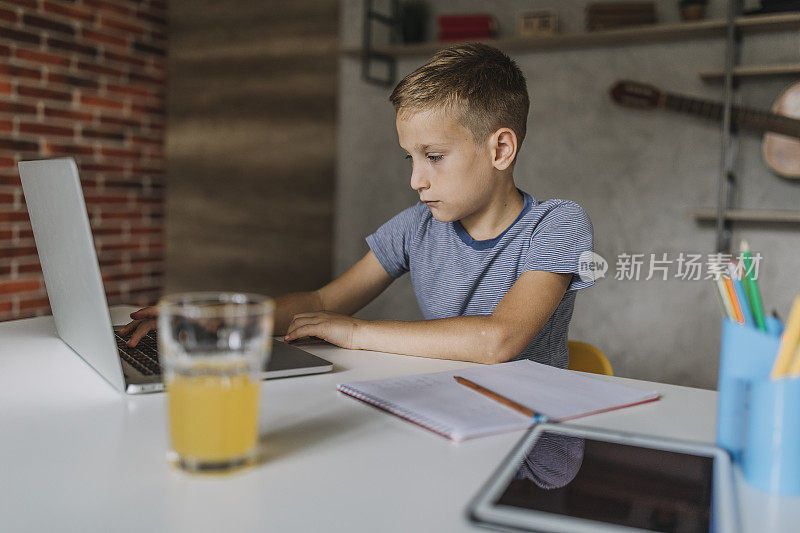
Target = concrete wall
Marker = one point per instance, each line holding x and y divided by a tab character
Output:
635	173
251	110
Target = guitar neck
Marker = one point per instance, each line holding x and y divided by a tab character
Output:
741	116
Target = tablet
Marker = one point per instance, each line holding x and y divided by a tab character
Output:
570	479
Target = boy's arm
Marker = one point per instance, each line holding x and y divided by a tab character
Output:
494	338
348	293
345	295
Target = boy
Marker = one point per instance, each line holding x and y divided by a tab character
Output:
493	269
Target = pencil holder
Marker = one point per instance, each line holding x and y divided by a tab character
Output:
746	354
771	455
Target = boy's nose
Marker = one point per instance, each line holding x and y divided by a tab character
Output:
418	181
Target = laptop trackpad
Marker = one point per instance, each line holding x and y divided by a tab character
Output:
288	360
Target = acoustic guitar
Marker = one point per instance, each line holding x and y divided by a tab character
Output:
781	144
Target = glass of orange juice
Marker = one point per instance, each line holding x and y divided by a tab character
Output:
213	347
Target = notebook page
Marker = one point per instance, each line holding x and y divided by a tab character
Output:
439	403
558	394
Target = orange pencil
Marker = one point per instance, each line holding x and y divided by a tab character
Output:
502	399
737	309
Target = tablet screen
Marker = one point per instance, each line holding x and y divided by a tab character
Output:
614	483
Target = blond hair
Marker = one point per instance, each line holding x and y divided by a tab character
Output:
480	83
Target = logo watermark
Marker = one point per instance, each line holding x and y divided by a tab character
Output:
663	266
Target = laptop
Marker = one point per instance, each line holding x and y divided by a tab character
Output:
72	277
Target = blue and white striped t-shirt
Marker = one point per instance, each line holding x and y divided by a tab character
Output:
455	275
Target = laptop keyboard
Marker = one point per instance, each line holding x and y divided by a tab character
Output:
144	356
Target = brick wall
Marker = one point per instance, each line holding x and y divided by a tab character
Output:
86	79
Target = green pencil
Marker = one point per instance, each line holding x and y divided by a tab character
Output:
751	287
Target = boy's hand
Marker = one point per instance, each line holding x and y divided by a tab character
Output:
332	327
144	320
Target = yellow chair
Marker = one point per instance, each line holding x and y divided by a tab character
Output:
587	358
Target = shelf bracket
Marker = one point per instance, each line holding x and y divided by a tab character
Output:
369	55
726	184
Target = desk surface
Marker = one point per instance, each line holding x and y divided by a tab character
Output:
76	455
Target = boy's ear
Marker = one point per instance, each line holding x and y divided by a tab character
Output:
504	148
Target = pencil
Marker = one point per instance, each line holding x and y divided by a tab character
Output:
741	295
791	337
737	311
502	399
751	287
722	295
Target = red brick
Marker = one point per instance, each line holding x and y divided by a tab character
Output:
50	112
74	81
146	231
6	307
91	167
21	36
18	145
101	5
20	72
116	24
5	270
123	276
39	304
5	87
149	49
19	251
117	215
8	15
67	149
124	89
120	247
68	11
104	232
6	198
107	199
47	24
40	57
71	46
123	58
104	38
100	69
109	135
45	129
26	3
5	51
100	102
146	140
8	162
29	267
6	125
38	92
135	77
12	180
118	121
156	110
7	107
116	152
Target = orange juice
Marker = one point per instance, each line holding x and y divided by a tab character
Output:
213	417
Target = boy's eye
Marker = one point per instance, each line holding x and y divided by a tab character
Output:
435	158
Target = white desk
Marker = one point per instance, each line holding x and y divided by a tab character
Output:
76	455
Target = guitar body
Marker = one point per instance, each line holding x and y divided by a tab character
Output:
781	152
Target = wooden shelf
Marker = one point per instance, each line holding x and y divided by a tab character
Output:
781	216
631	35
754	71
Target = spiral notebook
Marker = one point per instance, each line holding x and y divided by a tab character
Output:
440	404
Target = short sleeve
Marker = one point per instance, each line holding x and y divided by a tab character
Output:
559	239
390	243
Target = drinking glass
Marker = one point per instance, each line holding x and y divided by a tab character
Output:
213	347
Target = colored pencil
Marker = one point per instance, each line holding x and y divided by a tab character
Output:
737	311
741	295
789	342
751	287
722	297
502	399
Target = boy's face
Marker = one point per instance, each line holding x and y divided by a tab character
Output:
452	174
